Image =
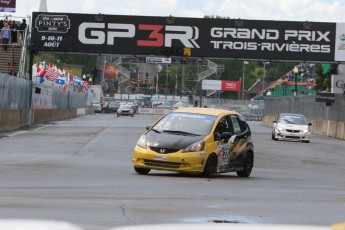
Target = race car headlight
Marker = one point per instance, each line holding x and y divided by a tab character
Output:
195	147
280	128
142	142
305	130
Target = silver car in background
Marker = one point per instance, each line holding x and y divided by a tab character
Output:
290	126
126	110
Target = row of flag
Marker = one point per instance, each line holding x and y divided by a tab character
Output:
49	72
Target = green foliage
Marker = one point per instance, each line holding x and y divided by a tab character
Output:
323	79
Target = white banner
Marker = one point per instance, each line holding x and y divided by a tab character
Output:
338	84
158	60
339	54
211	84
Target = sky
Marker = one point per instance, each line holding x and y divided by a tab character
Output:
279	10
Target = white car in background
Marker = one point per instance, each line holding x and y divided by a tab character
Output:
290	126
97	107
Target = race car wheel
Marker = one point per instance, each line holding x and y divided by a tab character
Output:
142	170
210	167
247	166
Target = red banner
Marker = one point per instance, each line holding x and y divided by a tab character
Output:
110	72
231	86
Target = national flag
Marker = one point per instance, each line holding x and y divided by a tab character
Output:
77	81
41	80
85	86
60	80
70	81
51	73
40	69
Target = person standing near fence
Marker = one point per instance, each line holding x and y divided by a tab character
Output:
22	28
6	35
14	32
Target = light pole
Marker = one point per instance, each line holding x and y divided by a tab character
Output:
295	71
157	84
244	69
264	76
166	80
175	84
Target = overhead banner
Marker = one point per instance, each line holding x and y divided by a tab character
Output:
170	36
7	6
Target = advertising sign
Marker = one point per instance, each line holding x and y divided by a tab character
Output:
110	72
158	60
231	86
340	42
7	6
222	38
325	97
211	85
221	85
338	84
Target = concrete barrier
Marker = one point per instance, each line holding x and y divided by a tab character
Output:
11	119
45	115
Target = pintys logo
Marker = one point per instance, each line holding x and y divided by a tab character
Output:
52	23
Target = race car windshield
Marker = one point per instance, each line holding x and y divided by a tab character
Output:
196	124
291	119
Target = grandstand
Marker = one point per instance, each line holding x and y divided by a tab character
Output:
301	77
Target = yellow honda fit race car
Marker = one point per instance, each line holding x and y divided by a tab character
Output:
199	141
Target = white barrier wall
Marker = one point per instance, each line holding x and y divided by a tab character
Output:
153	111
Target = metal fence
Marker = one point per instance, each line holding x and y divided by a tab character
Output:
15	94
245	107
308	106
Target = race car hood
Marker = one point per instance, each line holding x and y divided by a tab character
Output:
293	126
170	141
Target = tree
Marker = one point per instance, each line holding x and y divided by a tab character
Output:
324	73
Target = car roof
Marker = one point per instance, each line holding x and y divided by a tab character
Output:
206	111
291	114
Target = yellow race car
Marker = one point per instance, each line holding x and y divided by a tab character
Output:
200	141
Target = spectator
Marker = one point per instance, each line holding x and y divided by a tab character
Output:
22	28
6	35
14	32
1	24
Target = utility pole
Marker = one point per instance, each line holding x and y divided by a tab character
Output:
244	70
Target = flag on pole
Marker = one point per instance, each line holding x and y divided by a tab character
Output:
40	69
77	81
85	86
51	73
60	80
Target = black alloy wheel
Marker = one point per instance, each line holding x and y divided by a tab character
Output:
247	166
